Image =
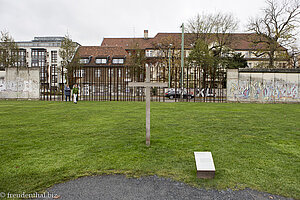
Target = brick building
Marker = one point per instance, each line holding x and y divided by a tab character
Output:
102	73
158	45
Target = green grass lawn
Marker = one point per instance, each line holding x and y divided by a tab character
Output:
253	145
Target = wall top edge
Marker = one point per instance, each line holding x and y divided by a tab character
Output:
270	70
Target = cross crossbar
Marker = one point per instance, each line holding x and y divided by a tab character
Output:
145	84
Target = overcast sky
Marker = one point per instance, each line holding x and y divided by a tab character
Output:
88	21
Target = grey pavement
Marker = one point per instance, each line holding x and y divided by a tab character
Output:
111	187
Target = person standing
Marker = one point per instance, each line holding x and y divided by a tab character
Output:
67	92
75	92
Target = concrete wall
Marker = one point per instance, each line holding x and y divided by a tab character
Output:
20	83
263	85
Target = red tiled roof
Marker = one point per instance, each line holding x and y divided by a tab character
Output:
127	43
238	41
245	41
98	52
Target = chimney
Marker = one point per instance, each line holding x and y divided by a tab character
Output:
145	34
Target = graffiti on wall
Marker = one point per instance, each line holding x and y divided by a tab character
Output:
256	88
240	90
267	90
23	86
291	90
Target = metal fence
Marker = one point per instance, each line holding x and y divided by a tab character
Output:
110	83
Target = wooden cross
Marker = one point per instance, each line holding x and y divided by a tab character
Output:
147	84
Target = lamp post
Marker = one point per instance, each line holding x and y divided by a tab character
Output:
170	65
182	58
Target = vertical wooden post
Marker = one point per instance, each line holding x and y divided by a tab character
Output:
148	106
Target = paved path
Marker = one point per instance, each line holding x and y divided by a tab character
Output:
119	187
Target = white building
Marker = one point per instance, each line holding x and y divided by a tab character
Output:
43	52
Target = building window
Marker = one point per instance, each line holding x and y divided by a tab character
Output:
118	61
54	73
84	60
160	74
110	72
248	54
149	53
281	64
38	57
79	73
101	60
127	74
43	74
54	56
1	63
161	53
54	78
98	73
21	57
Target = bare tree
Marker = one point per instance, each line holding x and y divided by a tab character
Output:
211	36
275	28
136	61
8	51
169	58
294	54
69	59
212	28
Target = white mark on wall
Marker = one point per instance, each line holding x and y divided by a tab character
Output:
2	84
11	86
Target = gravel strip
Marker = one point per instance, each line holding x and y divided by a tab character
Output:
109	187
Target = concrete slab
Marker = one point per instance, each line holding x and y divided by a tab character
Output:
256	87
205	165
269	85
244	87
292	94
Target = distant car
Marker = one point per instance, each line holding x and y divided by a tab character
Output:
171	94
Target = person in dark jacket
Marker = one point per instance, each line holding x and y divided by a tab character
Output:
67	92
